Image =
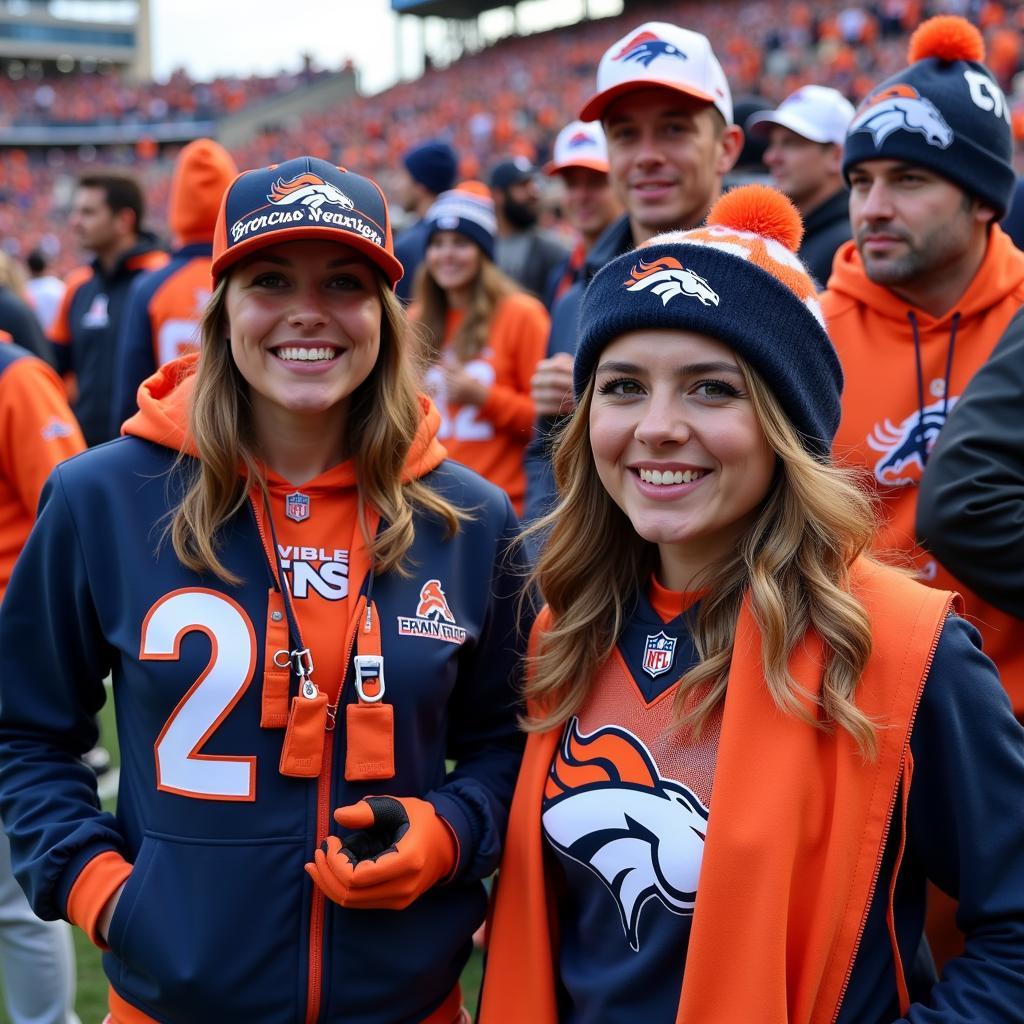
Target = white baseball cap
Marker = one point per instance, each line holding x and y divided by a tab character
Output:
814	112
660	55
579	144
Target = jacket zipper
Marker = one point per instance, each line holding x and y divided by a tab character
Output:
888	820
323	824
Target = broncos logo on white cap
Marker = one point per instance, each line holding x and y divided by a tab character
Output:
668	278
902	108
607	807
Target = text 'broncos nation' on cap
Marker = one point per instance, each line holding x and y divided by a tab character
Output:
299	199
659	55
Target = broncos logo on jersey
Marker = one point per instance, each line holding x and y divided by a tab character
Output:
667	277
907	444
902	108
607	807
646	47
309	190
433	604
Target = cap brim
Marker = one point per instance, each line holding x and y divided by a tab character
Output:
760	124
594	108
388	264
601	166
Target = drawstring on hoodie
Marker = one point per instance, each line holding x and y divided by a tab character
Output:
919	438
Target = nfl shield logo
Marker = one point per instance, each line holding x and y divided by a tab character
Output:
296	506
659	654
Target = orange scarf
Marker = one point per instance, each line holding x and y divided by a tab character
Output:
798	824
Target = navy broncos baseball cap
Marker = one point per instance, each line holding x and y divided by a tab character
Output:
303	198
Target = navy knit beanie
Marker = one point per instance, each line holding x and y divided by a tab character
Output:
433	164
944	112
469	210
737	279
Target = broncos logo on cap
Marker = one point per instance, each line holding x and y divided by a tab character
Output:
607	807
309	190
668	278
646	47
433	604
902	108
580	139
906	444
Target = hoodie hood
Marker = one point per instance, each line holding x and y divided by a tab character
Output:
203	171
166	397
1001	273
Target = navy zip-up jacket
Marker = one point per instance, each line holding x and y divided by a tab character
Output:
214	924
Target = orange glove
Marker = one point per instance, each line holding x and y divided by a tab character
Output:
402	848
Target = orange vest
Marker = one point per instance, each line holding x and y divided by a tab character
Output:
798	824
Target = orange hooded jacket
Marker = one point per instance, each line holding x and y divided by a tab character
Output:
872	330
784	907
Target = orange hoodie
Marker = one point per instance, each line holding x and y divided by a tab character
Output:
882	404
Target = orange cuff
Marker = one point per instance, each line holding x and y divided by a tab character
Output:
93	887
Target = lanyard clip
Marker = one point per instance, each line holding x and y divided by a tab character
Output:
369	669
302	662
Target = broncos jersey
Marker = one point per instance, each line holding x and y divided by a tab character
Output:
625	812
905	370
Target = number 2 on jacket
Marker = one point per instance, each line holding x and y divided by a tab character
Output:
180	767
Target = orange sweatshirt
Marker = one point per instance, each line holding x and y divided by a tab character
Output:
884	407
37	430
491	438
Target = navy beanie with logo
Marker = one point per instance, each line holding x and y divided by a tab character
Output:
944	112
469	210
737	279
433	164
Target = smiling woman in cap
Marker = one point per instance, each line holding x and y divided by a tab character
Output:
751	745
302	627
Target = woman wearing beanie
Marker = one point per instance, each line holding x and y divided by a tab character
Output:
302	624
750	745
482	336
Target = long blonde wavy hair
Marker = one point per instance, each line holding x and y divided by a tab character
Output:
794	562
489	287
383	418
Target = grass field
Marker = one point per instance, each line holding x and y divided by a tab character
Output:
91	1001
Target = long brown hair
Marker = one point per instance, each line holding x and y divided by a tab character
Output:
383	418
794	563
490	286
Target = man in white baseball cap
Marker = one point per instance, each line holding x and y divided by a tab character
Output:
666	110
804	155
580	162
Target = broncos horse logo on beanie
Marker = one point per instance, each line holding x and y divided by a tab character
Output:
668	278
646	47
309	190
607	807
902	108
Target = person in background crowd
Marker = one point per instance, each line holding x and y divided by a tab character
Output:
427	170
162	313
749	168
751	745
805	155
917	302
107	215
18	322
37	431
44	291
668	121
482	337
279	491
970	509
523	251
580	160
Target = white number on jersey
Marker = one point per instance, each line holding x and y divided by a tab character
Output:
466	424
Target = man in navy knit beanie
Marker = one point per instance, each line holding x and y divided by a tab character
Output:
428	169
